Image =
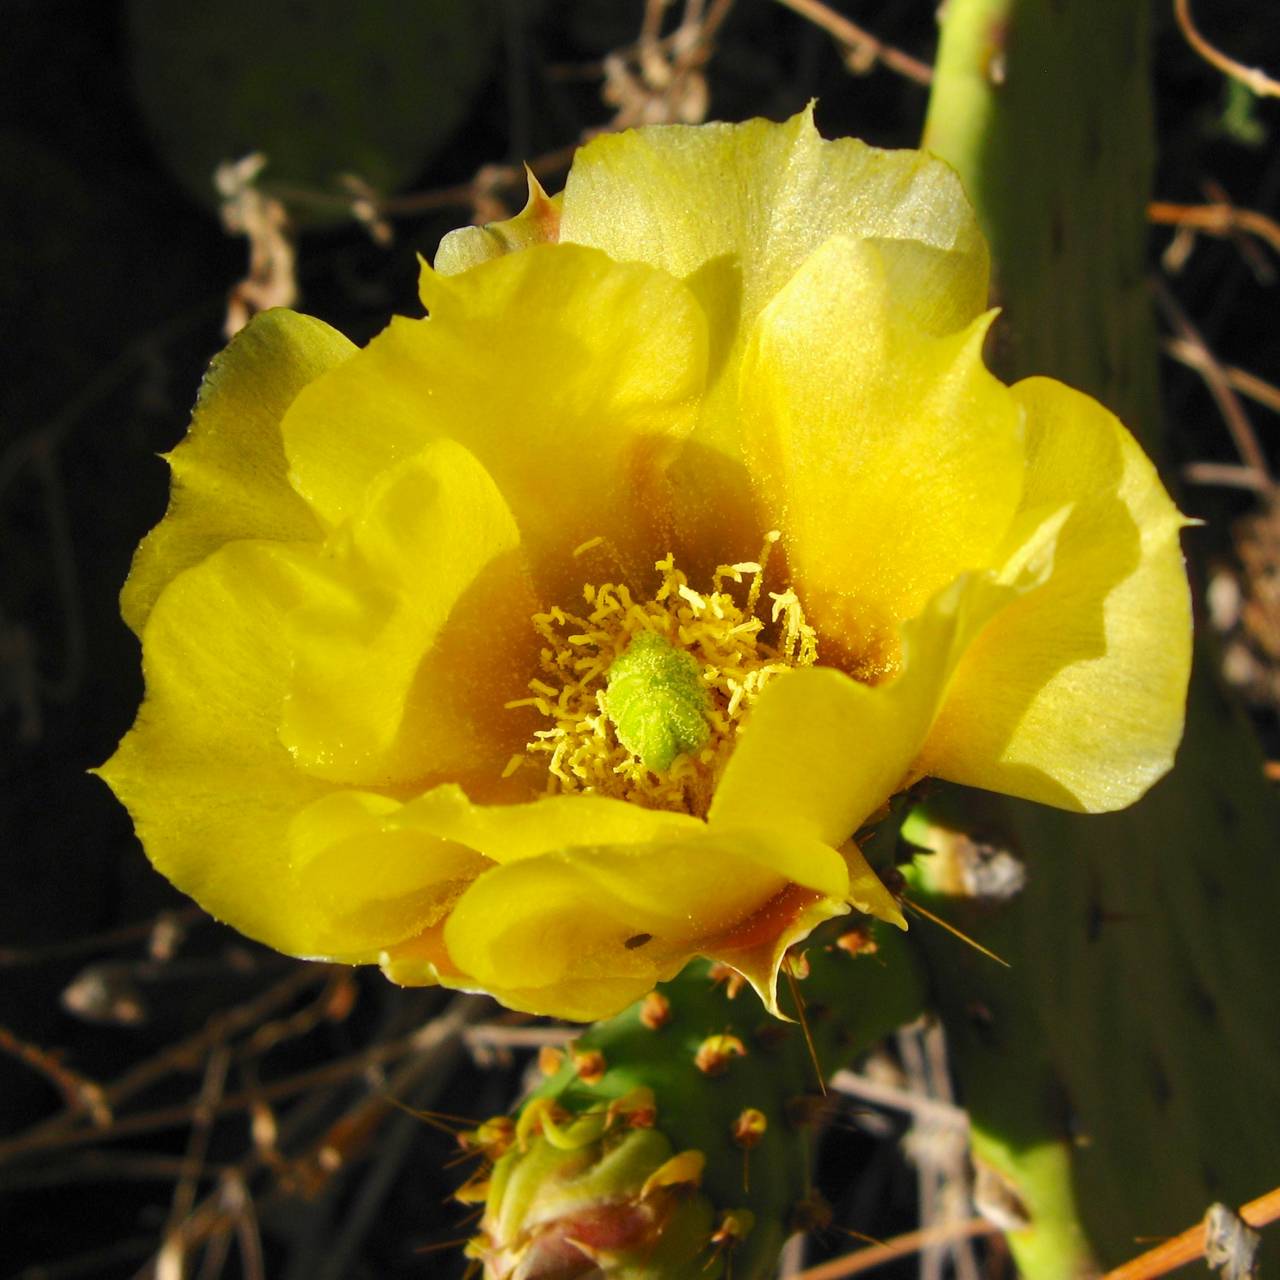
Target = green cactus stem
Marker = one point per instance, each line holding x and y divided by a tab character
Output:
1118	1077
726	1095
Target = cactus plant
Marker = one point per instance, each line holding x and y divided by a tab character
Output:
722	1087
1142	947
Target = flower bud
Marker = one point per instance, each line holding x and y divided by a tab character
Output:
618	1202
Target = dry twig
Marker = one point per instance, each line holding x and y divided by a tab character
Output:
80	1094
1222	219
1248	384
863	50
1253	78
899	1247
185	1055
1189	1246
249	211
1238	424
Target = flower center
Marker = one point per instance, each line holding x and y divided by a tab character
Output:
644	698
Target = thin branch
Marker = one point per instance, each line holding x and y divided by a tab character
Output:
1189	1246
184	1194
490	178
1225	475
80	1094
899	1247
864	49
248	1236
1221	219
1248	384
1238	424
1253	78
493	1035
185	1055
945	1114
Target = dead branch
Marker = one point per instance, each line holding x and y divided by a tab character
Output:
1190	1245
862	49
1253	78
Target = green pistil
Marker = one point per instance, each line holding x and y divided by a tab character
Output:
657	702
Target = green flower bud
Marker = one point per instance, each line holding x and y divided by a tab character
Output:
586	1200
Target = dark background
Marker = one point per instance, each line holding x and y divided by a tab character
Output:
114	272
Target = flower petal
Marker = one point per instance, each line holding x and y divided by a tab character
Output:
580	931
376	882
415	633
569	376
537	223
211	790
512	832
821	752
734	211
757	948
891	460
229	473
1074	696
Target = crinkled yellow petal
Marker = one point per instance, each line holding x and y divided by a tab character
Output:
377	882
757	948
569	376
891	460
211	789
582	930
821	752
415	633
1074	696
512	832
229	473
552	824
537	223
734	210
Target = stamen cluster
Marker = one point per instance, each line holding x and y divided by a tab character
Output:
737	652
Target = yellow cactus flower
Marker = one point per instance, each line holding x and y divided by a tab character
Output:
576	628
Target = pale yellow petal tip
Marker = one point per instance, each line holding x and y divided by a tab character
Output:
867	892
537	223
407	972
759	946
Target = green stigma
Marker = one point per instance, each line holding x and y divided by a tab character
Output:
657	702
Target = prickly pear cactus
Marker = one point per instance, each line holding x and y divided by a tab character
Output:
673	1139
1123	1075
